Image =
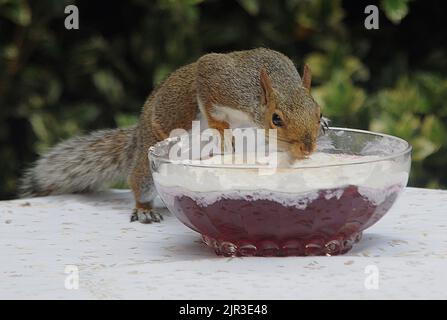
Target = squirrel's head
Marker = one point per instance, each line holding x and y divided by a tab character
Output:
296	116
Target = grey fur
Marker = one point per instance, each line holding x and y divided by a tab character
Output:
82	163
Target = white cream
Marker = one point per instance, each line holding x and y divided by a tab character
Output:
283	184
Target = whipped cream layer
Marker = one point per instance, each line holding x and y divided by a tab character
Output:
290	178
303	177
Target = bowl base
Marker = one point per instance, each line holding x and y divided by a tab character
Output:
294	247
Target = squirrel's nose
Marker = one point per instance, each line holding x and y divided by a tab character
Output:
306	150
300	150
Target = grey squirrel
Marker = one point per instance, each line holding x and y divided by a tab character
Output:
260	87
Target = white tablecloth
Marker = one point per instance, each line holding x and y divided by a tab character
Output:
83	246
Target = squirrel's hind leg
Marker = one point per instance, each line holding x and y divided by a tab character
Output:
142	185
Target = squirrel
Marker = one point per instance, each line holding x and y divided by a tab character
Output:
260	88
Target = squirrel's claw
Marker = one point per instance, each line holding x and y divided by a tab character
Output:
145	216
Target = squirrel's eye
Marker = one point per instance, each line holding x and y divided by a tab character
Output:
276	120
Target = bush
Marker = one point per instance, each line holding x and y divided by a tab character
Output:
56	83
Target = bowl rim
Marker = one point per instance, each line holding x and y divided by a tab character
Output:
406	149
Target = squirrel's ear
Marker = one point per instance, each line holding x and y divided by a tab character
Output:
266	86
307	77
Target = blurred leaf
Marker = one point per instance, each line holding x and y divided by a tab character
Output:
125	120
319	14
10	52
434	130
39	127
161	73
324	66
340	99
317	63
17	11
422	148
406	126
405	96
109	85
395	10
251	6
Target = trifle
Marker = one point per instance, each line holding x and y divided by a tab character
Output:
315	206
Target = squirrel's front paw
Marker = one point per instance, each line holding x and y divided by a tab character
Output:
145	216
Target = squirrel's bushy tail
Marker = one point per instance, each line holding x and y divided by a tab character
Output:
82	163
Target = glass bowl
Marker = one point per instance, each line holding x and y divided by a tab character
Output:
307	209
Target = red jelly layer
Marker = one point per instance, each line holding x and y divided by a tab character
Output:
327	225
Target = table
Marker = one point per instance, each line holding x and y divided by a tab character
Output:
84	247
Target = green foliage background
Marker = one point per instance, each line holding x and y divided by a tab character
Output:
56	83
